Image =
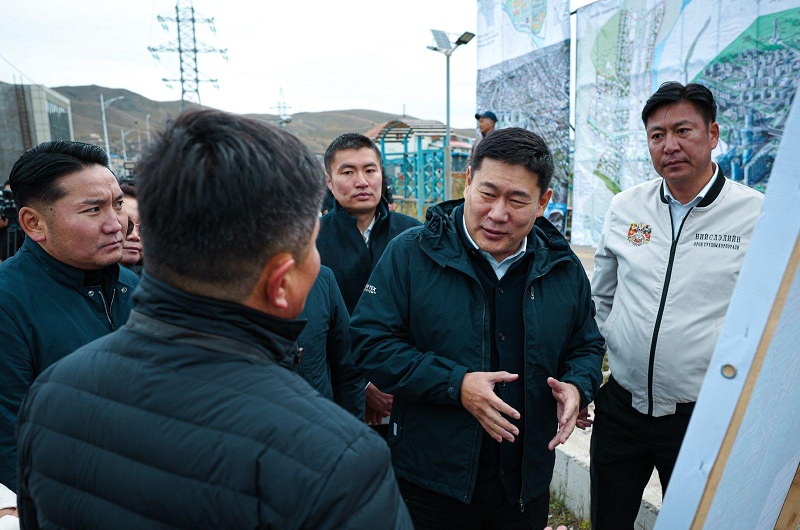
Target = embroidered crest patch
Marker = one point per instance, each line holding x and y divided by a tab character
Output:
639	234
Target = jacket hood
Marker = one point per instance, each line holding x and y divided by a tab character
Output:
441	237
276	337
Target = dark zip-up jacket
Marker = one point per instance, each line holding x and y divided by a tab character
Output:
327	362
191	417
46	313
341	246
422	324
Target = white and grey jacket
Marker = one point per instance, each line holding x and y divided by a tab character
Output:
661	301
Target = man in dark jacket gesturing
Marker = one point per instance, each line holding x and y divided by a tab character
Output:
481	325
190	416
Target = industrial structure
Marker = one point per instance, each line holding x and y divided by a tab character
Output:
31	114
187	48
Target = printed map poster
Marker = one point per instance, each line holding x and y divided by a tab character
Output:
738	465
523	77
746	51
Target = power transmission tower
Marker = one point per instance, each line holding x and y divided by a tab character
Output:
187	48
284	118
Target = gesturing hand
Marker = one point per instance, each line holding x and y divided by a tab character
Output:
569	400
478	397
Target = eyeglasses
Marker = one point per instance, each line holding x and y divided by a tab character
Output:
131	227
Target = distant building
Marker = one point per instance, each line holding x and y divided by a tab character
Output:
30	115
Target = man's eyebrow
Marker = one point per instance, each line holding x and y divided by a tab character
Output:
673	125
349	165
513	193
96	201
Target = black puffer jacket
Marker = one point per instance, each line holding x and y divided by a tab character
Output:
341	246
187	417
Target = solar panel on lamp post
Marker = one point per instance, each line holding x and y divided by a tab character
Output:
443	45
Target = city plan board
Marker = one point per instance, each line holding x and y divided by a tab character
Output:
523	77
746	51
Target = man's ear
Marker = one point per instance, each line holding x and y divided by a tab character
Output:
271	294
543	200
468	180
328	182
33	223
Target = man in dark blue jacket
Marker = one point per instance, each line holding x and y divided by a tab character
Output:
190	416
481	325
353	236
327	362
63	288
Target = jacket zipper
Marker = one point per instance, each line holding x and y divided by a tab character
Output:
657	326
524	415
106	307
478	428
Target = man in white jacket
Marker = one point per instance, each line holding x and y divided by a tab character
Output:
664	272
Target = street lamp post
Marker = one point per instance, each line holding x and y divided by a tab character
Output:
147	123
125	133
103	106
444	46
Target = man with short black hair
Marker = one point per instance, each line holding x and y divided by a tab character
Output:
481	324
64	288
353	236
664	271
191	415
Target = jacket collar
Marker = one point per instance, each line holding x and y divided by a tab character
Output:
61	272
274	337
710	197
381	212
440	240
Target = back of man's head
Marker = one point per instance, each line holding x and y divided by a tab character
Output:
34	175
518	147
673	92
219	195
348	141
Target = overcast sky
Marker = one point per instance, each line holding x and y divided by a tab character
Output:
325	55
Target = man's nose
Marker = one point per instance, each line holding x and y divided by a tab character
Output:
114	222
499	211
361	180
671	144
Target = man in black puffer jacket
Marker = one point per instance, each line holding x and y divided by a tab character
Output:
190	416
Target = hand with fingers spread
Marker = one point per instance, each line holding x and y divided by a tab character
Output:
569	402
478	397
584	420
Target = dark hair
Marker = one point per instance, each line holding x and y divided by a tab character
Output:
221	194
34	174
518	147
674	92
350	141
128	190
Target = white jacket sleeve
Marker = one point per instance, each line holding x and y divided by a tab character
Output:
604	276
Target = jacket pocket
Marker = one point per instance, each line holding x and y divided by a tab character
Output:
396	421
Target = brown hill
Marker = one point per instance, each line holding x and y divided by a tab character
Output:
315	129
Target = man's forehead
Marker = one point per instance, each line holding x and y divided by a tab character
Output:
509	178
674	114
89	183
355	157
